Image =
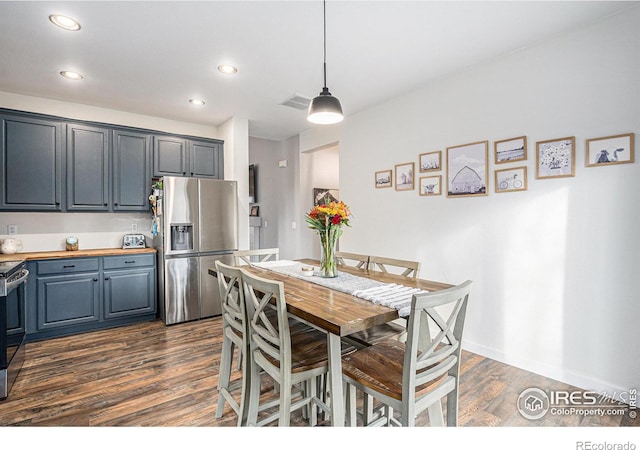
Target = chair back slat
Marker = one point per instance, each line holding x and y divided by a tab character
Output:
352	259
232	298
247	257
412	268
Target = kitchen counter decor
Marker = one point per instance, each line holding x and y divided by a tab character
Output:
72	243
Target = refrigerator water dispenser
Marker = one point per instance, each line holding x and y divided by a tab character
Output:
181	237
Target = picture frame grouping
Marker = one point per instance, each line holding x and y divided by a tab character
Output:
467	165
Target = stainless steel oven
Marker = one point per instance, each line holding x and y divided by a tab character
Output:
13	282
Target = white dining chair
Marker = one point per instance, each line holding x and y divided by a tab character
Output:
291	359
242	257
412	377
397	328
234	334
352	259
383	264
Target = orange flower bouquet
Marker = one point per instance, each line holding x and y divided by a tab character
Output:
327	220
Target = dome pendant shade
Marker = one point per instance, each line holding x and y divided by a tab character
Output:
325	109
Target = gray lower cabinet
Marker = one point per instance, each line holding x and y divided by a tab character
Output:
66	300
74	295
31	164
129	286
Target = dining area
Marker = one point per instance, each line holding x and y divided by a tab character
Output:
371	345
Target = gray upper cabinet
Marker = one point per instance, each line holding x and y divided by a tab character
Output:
131	171
54	164
170	157
31	164
87	168
205	159
186	158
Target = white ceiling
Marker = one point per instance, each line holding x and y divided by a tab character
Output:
151	57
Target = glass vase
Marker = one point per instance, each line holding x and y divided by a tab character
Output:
328	263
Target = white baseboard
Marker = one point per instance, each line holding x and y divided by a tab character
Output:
578	380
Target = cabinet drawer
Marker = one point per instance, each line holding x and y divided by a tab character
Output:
128	261
67	265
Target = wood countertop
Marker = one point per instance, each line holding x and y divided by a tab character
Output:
76	253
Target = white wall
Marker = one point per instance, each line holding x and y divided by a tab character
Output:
285	194
277	193
96	114
320	136
235	133
318	169
554	267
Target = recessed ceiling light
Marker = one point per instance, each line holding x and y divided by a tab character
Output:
64	22
197	102
227	69
71	75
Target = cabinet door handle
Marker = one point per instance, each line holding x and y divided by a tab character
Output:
69	267
107	278
95	279
130	262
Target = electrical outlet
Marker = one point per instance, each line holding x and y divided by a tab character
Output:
294	225
266	224
134	227
12	229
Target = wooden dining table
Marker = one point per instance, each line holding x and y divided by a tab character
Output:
338	314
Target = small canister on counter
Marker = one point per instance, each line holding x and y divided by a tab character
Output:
72	243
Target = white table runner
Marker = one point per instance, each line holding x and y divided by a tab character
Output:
387	294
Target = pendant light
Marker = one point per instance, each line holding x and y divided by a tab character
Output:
325	108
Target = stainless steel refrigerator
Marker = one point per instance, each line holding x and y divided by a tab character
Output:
197	224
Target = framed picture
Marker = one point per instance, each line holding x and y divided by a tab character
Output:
556	158
510	150
610	150
322	196
255	211
384	179
431	185
509	180
404	177
467	170
430	161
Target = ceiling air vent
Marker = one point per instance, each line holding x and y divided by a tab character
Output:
297	102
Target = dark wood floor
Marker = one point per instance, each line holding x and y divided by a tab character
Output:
152	375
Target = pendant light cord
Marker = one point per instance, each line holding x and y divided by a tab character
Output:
324	22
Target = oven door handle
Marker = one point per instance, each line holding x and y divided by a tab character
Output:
21	279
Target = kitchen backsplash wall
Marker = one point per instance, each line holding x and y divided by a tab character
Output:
48	231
